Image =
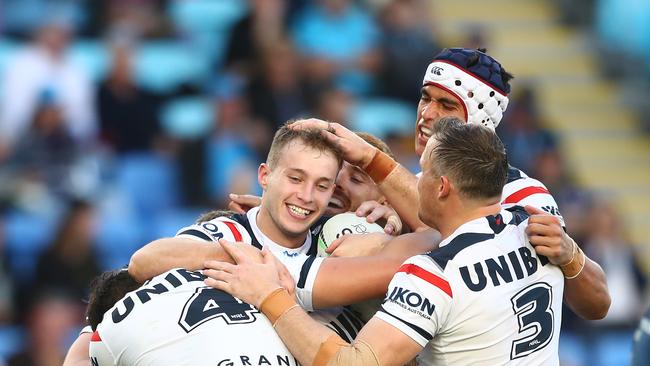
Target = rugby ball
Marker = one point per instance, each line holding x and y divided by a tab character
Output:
341	224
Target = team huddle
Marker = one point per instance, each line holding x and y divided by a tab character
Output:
478	276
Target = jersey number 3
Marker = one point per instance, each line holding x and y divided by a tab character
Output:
532	306
208	303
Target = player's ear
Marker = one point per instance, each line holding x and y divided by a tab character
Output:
444	187
263	173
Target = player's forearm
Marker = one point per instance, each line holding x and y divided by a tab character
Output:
587	294
343	281
164	254
400	188
78	352
302	335
314	344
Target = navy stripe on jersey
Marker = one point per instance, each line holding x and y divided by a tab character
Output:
304	271
513	174
426	335
455	246
242	219
497	224
347	324
358	324
519	215
333	326
197	233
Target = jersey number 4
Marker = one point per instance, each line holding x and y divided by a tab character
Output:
208	303
532	306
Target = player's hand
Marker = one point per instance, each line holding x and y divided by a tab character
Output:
355	149
375	211
547	236
286	280
247	280
241	203
358	245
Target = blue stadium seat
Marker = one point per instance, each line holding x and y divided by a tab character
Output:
205	15
167	224
27	235
206	23
92	56
118	236
613	348
187	117
7	49
163	66
12	340
148	181
381	116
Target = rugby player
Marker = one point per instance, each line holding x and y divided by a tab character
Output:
355	191
473	86
484	297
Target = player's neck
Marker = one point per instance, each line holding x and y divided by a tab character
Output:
268	227
462	214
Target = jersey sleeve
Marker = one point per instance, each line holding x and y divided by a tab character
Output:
529	191
418	300
304	269
215	229
99	353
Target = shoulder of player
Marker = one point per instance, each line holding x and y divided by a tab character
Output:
223	227
517	190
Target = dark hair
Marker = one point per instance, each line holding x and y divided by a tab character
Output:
105	290
311	137
471	155
213	215
376	142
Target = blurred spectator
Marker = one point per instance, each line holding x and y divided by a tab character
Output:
128	115
43	157
51	322
407	47
261	29
608	246
70	263
276	92
339	41
140	18
6	286
236	146
549	168
44	66
334	105
402	148
521	132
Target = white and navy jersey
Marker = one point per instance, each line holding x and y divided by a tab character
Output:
302	262
522	190
175	319
483	298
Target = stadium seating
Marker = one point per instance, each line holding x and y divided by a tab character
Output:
187	117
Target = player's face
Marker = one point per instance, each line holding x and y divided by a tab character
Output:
298	189
428	186
353	187
435	103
